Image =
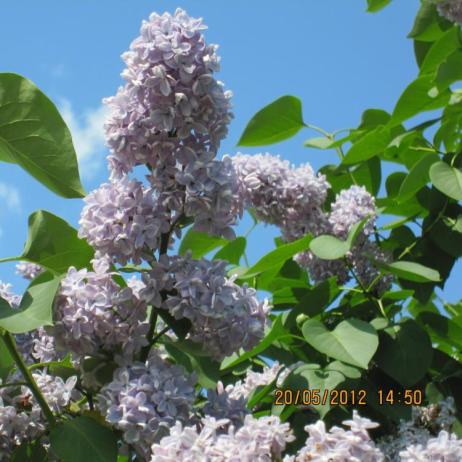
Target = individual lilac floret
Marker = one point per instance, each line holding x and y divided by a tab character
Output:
93	315
354	445
225	317
259	440
450	9
444	448
145	400
124	220
28	270
350	207
170	93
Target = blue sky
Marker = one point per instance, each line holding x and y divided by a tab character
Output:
337	58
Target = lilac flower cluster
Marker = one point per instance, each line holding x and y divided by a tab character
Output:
94	315
8	295
293	199
17	426
450	9
170	93
259	440
353	445
145	399
284	196
224	316
415	434
124	220
55	390
171	116
444	448
230	402
28	270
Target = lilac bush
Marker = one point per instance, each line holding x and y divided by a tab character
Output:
147	336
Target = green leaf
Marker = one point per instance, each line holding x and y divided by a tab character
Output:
276	122
348	371
36	305
312	377
29	452
443	327
410	271
232	251
421	95
85	439
440	50
447	179
54	244
427	24
353	341
6	360
376	5
200	244
450	71
278	256
417	178
34	136
368	146
405	352
331	248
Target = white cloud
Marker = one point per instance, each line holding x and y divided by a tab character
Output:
10	199
88	136
9	196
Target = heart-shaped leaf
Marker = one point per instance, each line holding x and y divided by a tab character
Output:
311	377
353	341
447	179
405	352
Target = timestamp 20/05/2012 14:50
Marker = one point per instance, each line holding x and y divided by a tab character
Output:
343	397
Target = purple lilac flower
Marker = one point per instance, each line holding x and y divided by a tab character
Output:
55	390
170	95
145	399
259	440
17	426
224	316
444	448
231	402
28	270
338	444
350	207
93	315
280	194
8	295
124	220
450	9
